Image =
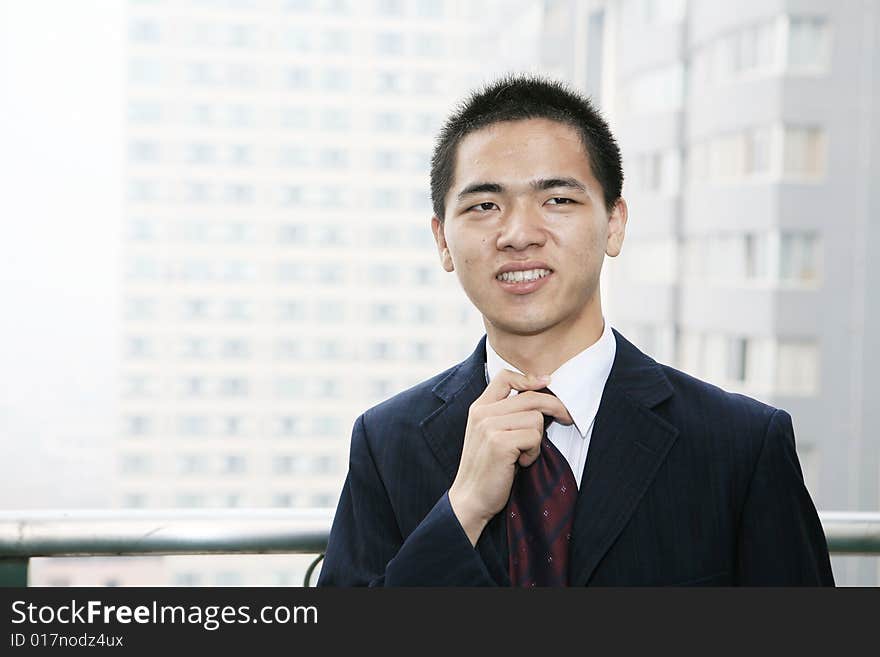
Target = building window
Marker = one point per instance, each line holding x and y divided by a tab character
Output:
195	308
297	39
284	500
240	309
756	151
136	464
140	347
235	348
386	160
336	42
804	151
142	111
757	257
144	151
293	233
292	311
429	8
333	158
285	464
336	80
659	172
388	122
809	45
287	425
295	118
327	426
323	500
190	501
286	349
386	199
290	387
328	350
139	425
380	388
297	78
330	312
429	45
193	425
241	75
194	348
335	119
192	464
233	387
383	312
140	387
389	43
145	71
798	258
232	425
234	464
384	274
134	500
389	7
328	389
381	350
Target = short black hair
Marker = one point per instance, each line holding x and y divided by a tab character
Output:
520	97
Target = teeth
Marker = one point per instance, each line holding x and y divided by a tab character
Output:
519	276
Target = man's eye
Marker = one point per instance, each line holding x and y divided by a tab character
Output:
560	200
484	207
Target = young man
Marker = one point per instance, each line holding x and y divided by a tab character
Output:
644	475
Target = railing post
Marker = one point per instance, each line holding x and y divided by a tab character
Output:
13	572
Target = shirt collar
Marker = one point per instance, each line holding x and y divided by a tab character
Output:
579	382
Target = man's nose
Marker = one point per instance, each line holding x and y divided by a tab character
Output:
521	228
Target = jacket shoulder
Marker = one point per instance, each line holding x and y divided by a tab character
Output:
695	395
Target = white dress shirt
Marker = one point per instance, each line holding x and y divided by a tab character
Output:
578	383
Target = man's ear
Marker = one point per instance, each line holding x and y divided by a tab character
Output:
616	228
442	247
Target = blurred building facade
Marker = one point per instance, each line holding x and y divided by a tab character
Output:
280	270
750	144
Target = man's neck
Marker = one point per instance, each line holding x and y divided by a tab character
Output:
545	352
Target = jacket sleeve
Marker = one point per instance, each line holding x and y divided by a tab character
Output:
366	547
781	541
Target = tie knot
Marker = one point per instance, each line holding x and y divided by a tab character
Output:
548	419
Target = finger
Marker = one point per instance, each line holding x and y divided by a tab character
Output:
515	421
529	445
529	456
506	380
530	400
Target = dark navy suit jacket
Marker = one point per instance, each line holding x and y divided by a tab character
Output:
685	484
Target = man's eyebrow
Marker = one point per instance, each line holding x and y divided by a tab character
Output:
550	183
481	188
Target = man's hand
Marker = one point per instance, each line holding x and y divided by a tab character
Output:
501	432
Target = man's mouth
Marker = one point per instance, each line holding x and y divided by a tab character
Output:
520	276
524	281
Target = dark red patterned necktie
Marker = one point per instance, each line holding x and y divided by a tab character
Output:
540	515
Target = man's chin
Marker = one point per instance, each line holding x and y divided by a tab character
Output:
521	326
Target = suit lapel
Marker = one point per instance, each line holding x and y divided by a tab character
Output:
444	428
444	432
628	444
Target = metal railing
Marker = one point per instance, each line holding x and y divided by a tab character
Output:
27	534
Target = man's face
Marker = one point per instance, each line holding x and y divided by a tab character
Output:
524	198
